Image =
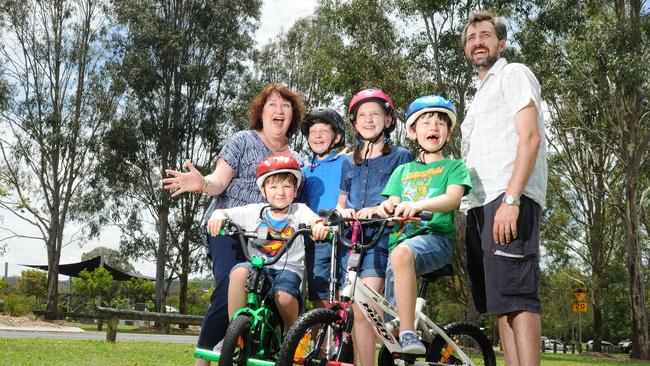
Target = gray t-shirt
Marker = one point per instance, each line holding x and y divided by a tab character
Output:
249	218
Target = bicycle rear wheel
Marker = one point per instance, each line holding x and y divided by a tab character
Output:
315	339
470	339
237	345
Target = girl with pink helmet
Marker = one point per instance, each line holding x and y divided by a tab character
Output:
364	174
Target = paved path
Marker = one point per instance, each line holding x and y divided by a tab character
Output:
99	336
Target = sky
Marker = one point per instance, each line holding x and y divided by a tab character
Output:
277	16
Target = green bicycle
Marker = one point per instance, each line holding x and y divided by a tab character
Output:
254	335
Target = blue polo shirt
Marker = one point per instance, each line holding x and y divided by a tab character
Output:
323	178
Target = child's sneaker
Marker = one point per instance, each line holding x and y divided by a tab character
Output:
411	344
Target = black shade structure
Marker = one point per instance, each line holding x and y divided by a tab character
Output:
73	269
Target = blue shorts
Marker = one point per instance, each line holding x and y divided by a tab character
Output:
374	260
317	256
430	252
286	280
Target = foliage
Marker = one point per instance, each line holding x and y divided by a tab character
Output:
180	70
97	284
137	290
18	305
60	101
197	301
32	282
4	288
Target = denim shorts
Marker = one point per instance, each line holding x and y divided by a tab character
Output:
286	280
317	261
430	252
374	260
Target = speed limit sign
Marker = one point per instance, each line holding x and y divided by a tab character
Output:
580	307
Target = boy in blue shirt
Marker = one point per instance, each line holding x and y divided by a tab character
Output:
324	130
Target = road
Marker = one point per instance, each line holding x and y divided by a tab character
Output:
99	336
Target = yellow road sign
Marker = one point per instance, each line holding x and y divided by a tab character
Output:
580	295
580	307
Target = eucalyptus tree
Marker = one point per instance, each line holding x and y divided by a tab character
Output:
181	69
61	100
589	56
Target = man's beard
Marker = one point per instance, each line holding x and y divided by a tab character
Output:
486	62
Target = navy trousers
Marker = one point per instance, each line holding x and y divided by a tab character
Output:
226	253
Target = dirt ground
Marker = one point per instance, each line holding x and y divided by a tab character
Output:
32	321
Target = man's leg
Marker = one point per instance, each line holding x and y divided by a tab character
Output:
520	333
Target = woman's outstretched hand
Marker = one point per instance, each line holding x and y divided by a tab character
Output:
181	182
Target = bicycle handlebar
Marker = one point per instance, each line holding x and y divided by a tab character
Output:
334	218
230	228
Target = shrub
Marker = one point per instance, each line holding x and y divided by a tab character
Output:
19	305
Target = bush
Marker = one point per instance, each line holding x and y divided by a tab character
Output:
4	288
18	305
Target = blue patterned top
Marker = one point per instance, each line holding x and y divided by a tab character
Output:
243	151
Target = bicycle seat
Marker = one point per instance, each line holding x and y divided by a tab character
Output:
445	271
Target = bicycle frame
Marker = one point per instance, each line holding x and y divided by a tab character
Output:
368	301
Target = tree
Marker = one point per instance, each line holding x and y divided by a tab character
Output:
32	282
112	257
181	63
138	290
60	105
97	285
594	87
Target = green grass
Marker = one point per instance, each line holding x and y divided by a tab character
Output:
27	352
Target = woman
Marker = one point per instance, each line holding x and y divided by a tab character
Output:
275	115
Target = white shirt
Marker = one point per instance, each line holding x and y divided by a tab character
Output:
248	217
489	135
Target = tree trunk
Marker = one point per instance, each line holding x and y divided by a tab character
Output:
639	321
185	270
161	255
53	256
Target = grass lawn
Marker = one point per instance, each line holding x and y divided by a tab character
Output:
27	352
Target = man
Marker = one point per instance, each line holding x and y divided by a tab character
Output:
503	144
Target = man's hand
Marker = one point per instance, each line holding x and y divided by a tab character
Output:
505	224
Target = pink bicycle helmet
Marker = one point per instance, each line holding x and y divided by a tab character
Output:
374	95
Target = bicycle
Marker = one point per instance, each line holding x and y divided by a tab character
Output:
321	336
255	333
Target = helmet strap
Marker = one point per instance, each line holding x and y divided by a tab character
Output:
424	152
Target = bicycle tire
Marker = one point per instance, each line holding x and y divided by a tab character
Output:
318	320
470	339
233	353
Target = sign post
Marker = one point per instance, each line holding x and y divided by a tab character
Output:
580	306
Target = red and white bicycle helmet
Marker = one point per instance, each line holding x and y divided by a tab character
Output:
374	95
276	164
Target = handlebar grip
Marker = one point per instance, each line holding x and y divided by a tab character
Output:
425	215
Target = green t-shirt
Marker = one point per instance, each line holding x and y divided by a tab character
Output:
416	181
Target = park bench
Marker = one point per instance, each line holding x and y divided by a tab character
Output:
112	316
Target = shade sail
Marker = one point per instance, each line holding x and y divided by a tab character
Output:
73	269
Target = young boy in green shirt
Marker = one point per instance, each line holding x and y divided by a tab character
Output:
430	183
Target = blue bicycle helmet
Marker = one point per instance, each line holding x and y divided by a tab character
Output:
430	103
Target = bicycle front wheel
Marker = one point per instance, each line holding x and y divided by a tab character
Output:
237	345
316	338
470	339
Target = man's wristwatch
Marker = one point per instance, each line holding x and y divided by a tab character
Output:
511	200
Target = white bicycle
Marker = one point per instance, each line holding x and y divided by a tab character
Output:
323	336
